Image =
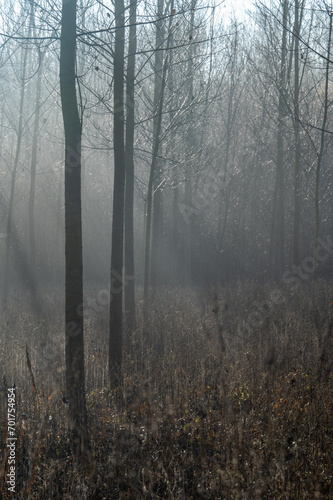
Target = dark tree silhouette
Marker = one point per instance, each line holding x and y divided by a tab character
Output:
129	184
75	375
116	315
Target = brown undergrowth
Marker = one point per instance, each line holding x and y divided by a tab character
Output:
207	408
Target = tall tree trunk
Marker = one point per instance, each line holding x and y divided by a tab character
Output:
13	180
129	181
32	237
174	170
57	246
321	150
75	374
297	179
155	148
157	217
225	196
175	235
149	206
188	229
277	229
116	279
297	174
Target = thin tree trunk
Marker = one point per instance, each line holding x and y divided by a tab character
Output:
297	175
156	143
149	206
223	220
58	225
116	279
13	181
277	230
75	374
129	182
190	143
174	169
32	237
321	151
157	219
157	231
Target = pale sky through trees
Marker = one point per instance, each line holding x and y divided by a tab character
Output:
236	6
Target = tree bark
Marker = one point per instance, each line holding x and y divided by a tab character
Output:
116	279
321	151
13	181
174	169
277	229
32	236
188	229
297	174
157	215
75	374
155	148
129	181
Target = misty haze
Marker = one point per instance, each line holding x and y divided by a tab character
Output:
166	249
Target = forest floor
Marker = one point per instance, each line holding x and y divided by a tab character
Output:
231	398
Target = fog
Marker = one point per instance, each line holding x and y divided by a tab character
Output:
192	143
223	143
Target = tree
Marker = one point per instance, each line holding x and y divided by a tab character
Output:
278	224
33	167
297	182
157	208
20	127
159	93
129	181
174	175
116	304
321	147
190	145
75	373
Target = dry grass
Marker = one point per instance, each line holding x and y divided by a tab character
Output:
203	413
